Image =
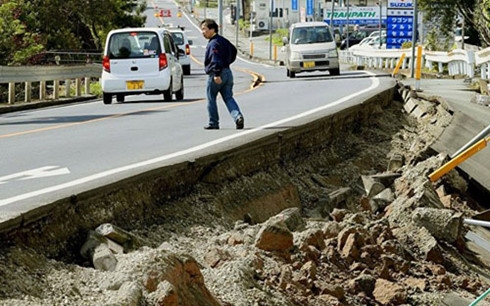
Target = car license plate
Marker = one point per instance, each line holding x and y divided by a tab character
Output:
134	85
308	64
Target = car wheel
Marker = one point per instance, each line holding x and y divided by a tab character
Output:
187	69
335	71
287	72
292	74
167	94
120	98
179	95
107	98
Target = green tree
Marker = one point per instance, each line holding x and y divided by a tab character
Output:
16	43
29	27
442	16
477	16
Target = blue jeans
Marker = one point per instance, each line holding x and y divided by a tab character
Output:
226	91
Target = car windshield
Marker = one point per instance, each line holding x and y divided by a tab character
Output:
311	35
134	45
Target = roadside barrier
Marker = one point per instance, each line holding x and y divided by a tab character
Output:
49	77
482	60
455	62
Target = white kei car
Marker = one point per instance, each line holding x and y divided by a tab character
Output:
181	40
141	61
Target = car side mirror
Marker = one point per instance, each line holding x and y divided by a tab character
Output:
285	40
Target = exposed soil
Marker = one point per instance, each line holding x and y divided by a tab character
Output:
383	269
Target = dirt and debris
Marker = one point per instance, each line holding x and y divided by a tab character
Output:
365	227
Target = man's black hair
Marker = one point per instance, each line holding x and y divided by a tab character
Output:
210	24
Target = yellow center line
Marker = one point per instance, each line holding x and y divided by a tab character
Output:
255	75
59	126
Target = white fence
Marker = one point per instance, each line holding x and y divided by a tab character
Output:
49	76
456	62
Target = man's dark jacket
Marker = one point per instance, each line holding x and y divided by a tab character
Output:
220	53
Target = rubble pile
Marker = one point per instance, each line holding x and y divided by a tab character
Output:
371	229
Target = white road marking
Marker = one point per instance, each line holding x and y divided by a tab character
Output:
375	83
34	174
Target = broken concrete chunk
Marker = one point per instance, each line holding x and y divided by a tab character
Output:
93	240
129	294
396	162
444	224
96	248
126	239
410	105
292	219
371	186
103	259
382	200
387	178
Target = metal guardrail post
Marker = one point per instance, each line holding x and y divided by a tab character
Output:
398	65
87	86
11	99
56	89
458	159
476	222
27	89
418	68
67	87
42	90
78	87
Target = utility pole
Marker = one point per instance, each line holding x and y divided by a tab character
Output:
220	15
237	20
271	7
380	21
414	37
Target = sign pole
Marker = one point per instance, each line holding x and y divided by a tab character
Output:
414	37
270	28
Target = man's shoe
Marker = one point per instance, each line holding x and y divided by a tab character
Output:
239	123
211	127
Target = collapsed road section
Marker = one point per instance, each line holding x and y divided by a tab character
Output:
343	200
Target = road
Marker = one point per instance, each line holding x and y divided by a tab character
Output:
53	153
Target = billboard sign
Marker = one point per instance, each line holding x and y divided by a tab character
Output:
399	23
355	15
400	4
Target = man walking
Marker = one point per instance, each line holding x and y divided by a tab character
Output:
220	53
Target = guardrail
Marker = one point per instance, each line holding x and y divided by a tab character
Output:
58	78
455	62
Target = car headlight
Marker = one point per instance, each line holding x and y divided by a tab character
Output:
332	53
296	56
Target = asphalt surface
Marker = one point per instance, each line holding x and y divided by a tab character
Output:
469	118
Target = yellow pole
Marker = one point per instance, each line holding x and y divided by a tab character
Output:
275	52
418	69
458	159
398	65
251	48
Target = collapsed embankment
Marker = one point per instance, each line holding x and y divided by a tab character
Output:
59	229
336	212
